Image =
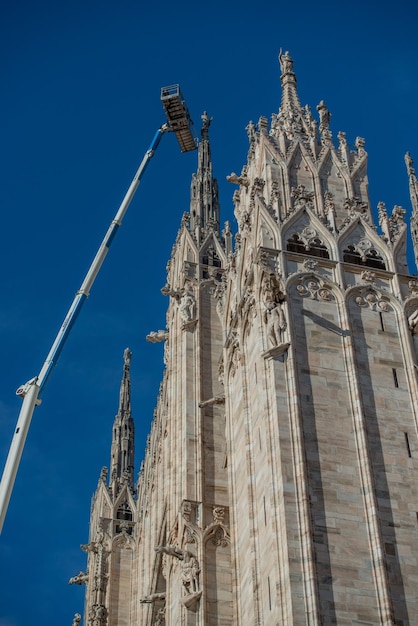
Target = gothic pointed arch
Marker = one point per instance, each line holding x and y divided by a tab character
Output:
334	178
212	254
304	233
313	285
368	296
265	228
301	170
358	244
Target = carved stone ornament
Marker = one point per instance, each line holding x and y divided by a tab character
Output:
310	265
186	510
267	261
188	307
156	336
153	597
354	205
160	617
76	619
413	321
237	180
368	277
98	615
218	514
413	287
80	579
219	537
315	289
369	297
302	197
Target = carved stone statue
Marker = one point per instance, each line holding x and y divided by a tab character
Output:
127	356
413	321
276	322
324	116
190	571
76	619
188	307
286	62
205	120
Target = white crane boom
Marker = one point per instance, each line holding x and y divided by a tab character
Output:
179	122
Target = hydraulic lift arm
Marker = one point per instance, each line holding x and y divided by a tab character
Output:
179	122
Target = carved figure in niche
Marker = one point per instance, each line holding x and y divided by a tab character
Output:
76	619
276	323
272	289
273	315
187	306
413	321
190	571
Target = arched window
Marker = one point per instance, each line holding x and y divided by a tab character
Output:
124	513
313	247
370	258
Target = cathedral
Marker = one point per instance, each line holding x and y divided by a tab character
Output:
279	484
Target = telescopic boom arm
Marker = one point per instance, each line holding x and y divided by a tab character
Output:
179	122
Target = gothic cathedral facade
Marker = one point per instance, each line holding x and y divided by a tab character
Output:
280	480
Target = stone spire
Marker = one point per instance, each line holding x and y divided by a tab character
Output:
122	456
204	203
413	191
290	98
294	121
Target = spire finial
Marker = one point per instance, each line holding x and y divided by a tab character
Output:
122	454
286	62
206	121
204	204
127	355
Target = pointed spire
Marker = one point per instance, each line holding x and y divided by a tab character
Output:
290	98
204	203
293	121
122	455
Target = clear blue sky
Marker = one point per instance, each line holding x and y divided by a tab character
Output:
80	105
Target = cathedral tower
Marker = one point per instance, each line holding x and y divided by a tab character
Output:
279	484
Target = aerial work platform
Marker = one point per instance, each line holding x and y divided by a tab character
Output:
178	121
178	117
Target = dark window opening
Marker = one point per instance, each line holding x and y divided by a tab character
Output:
315	248
395	377
408	447
371	259
124	513
382	326
211	258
